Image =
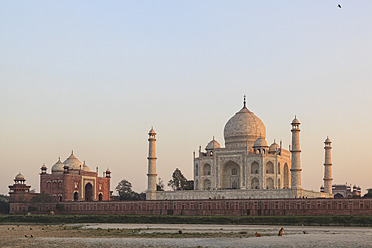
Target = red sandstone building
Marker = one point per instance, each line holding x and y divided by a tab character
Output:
74	181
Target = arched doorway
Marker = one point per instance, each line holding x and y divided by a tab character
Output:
338	195
254	168
100	197
76	196
88	192
207	184
286	176
269	168
207	170
269	183
231	175
255	183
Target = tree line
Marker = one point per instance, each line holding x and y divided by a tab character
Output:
177	182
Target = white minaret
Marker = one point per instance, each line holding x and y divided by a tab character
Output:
151	175
327	167
295	152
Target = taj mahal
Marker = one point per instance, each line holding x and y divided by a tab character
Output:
247	167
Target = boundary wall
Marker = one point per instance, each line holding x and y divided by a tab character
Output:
227	207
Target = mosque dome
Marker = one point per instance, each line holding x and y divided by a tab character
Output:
58	167
19	177
86	168
73	162
243	129
328	140
212	145
260	142
274	147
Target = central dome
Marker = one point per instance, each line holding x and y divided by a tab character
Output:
243	129
73	162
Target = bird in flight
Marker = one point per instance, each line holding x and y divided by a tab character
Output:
339	6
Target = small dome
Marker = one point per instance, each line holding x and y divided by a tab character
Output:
19	177
73	162
260	142
212	145
274	147
43	167
86	168
108	171
328	140
295	121
58	167
152	131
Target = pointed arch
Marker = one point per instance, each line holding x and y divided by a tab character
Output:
206	170
76	196
269	183
230	175
254	168
88	192
207	184
269	168
255	183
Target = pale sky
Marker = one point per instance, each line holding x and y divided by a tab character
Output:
94	76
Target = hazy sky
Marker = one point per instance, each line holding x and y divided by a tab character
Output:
94	76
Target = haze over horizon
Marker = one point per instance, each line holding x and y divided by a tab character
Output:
94	76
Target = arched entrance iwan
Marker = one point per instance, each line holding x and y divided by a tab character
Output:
88	192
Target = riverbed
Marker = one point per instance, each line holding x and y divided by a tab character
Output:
181	235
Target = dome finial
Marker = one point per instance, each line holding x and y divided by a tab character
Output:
72	152
244	102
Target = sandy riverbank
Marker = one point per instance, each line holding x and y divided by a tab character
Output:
184	235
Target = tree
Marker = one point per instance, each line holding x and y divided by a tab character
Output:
4	204
124	190
178	181
160	185
369	194
189	185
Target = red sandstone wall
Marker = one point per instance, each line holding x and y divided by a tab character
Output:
52	184
21	197
264	207
105	181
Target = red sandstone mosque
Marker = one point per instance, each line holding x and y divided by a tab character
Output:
68	181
